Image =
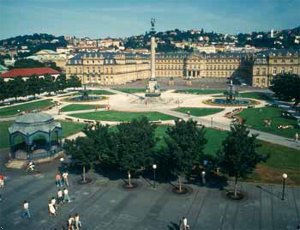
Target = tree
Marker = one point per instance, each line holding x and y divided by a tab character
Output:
287	87
3	89
48	84
27	63
73	81
82	149
185	144
238	156
134	145
61	82
103	141
33	85
17	88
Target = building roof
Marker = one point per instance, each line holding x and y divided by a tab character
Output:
32	123
3	68
27	72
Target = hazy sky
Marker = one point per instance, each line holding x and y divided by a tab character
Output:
120	18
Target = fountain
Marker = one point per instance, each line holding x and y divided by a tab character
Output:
85	96
231	95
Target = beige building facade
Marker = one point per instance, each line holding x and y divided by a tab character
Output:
106	68
268	64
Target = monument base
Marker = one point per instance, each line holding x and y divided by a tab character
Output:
152	89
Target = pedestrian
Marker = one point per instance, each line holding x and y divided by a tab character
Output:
71	223
26	211
53	202
296	137
59	196
77	222
65	176
1	181
185	224
58	180
66	196
51	209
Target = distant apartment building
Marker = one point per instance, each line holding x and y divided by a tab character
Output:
107	68
268	64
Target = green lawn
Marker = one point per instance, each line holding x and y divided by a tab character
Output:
69	128
256	95
122	116
199	112
75	107
200	91
13	110
101	92
255	119
131	90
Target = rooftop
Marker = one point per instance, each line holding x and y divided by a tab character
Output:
27	72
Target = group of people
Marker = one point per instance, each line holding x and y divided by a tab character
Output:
62	197
74	222
62	179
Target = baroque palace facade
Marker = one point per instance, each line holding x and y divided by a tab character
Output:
268	64
107	68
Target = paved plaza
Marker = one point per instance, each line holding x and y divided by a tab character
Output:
104	204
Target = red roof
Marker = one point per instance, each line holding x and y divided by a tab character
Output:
27	72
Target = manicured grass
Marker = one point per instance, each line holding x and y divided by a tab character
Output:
282	160
122	116
69	128
255	119
131	90
101	92
75	107
13	110
199	112
199	91
256	95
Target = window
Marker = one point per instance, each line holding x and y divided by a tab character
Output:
274	71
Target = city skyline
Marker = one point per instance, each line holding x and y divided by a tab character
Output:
99	19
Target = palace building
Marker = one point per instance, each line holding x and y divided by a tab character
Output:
268	64
107	68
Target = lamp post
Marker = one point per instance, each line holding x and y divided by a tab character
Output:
211	121
284	176
154	166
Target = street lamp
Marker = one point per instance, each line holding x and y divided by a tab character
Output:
284	176
211	121
154	166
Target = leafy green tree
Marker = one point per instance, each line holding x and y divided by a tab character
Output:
238	156
82	149
103	141
33	85
184	149
134	145
27	63
3	89
17	88
287	87
61	82
48	84
74	82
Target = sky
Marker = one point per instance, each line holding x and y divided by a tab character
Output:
122	18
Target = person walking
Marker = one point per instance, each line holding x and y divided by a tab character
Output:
58	180
296	137
59	196
77	221
65	176
71	223
51	208
1	181
66	195
26	211
53	202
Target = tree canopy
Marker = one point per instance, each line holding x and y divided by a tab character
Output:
287	87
